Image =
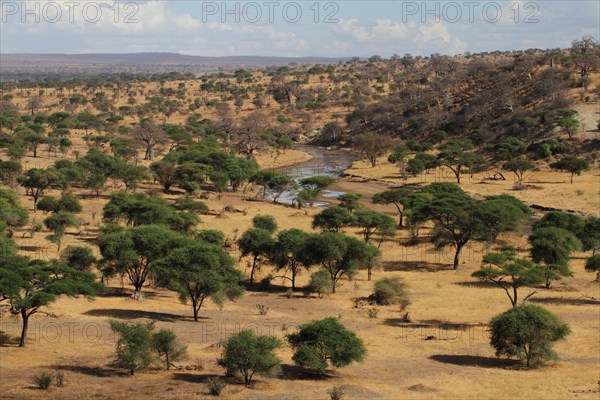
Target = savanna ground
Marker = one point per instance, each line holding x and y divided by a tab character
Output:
443	353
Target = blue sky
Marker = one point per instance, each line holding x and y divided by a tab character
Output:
293	29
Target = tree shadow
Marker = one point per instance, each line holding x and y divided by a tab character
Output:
102	372
294	372
135	314
416	266
430	324
196	378
8	340
565	301
478	284
475	361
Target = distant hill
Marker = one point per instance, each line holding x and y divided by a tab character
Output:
93	64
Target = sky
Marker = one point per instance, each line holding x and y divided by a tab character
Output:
293	28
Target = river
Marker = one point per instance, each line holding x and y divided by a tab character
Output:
327	162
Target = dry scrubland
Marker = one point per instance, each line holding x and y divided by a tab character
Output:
443	353
401	363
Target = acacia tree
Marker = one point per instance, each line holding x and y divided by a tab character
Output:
371	222
287	252
132	251
30	285
331	219
197	271
527	332
58	224
312	187
456	156
349	201
571	164
37	181
320	343
455	219
592	264
338	254
552	247
257	243
397	197
519	166
509	272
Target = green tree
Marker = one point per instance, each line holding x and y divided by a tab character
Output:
456	221
134	345
558	219
197	271
79	257
37	181
58	224
258	244
553	247
371	222
397	197
313	186
166	345
571	164
502	213
592	264
318	344
12	215
570	125
339	254
456	156
132	251
36	284
398	156
331	219
349	201
266	222
131	175
320	282
9	172
250	354
527	332
590	234
519	166
287	250
509	272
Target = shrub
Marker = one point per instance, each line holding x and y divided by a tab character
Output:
320	283
390	291
249	354
324	342
59	378
215	385
133	348
262	309
336	393
166	345
527	332
43	380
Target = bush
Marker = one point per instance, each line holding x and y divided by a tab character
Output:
390	291
43	380
262	309
324	342
166	345
527	332
59	378
133	348
215	385
250	354
336	393
320	283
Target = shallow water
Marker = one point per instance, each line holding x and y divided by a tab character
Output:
325	162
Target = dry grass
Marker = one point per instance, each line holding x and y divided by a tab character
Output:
446	305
